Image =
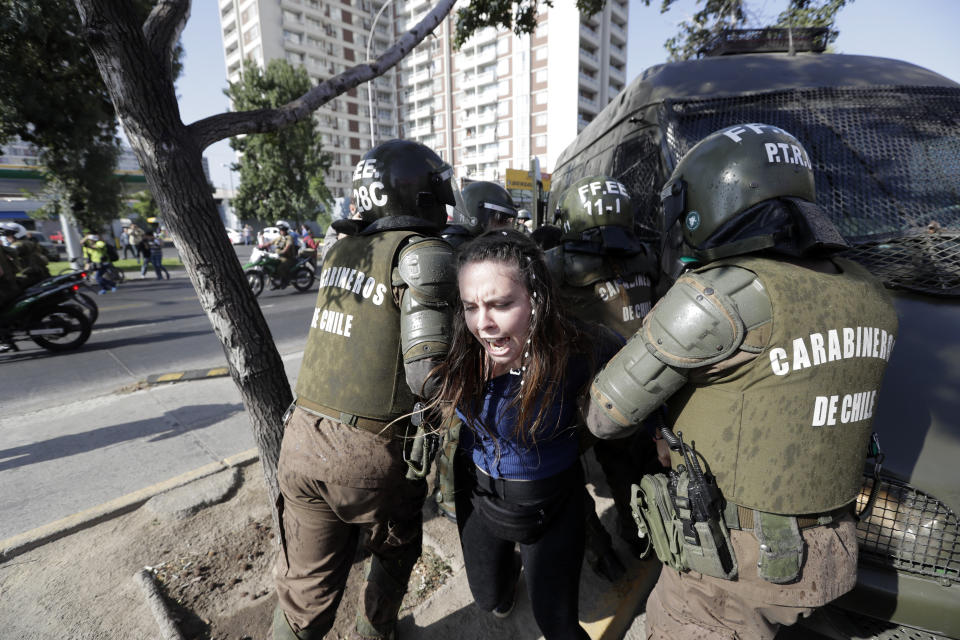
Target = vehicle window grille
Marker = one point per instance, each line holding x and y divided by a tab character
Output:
911	531
887	166
637	164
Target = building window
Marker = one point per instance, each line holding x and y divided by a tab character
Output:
540	142
540	120
540	76
540	98
540	54
251	34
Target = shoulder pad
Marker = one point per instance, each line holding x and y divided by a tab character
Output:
426	265
554	260
751	301
693	325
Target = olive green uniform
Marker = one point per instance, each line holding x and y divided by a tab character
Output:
33	264
286	251
341	468
783	424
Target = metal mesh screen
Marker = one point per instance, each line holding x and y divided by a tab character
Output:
637	164
911	531
887	166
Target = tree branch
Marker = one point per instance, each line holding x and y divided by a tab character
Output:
209	130
163	27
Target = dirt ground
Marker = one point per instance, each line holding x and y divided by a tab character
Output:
214	569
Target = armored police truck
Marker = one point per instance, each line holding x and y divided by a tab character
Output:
884	139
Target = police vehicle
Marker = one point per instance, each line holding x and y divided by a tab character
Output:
884	138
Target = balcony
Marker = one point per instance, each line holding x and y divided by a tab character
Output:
422	112
487	117
420	76
589	34
422	94
617	74
489	54
588	105
421	130
618	10
487	97
589	60
617	54
588	81
618	35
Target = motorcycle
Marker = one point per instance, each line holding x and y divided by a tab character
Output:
83	301
46	315
263	266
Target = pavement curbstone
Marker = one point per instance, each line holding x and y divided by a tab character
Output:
28	540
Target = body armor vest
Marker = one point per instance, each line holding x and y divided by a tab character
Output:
613	292
352	361
787	432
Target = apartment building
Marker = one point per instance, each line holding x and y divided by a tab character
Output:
326	37
494	104
501	99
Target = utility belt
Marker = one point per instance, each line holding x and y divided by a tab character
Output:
379	427
420	443
688	523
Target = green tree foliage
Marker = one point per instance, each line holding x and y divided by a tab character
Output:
144	205
518	15
281	172
715	15
54	98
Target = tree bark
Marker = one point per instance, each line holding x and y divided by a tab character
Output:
134	61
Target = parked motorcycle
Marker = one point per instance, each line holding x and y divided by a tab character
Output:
48	316
82	300
263	267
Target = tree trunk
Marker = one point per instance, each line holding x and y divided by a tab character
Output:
143	93
136	64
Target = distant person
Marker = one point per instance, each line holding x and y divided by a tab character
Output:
126	245
286	249
309	245
151	247
95	252
247	234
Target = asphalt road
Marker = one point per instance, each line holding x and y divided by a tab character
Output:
147	326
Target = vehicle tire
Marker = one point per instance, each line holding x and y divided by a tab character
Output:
88	306
67	317
255	280
303	279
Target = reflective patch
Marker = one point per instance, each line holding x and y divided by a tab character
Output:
693	220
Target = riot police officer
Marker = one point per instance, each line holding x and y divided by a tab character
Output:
285	246
769	355
605	276
381	323
486	205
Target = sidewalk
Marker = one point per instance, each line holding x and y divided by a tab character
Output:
202	427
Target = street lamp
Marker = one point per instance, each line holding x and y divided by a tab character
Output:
230	199
373	141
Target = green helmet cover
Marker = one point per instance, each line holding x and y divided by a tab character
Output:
403	178
730	171
596	201
486	205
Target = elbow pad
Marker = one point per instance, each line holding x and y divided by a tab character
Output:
426	268
424	329
632	385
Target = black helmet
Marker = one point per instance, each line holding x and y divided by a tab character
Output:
403	178
487	205
728	173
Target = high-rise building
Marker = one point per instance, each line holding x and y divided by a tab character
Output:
495	104
326	37
502	99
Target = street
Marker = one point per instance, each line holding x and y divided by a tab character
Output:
147	326
72	438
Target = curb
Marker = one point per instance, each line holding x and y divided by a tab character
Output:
40	536
183	376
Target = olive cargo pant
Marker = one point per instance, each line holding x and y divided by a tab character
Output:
321	527
684	606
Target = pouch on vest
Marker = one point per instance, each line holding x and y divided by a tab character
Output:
706	544
781	547
656	518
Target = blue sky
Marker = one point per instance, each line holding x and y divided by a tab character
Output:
922	31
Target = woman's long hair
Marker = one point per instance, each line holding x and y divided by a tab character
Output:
552	337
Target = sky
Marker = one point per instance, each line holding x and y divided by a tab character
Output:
922	32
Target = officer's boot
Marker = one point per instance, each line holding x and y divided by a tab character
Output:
383	593
283	631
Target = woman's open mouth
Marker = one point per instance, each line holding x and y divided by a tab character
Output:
497	346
